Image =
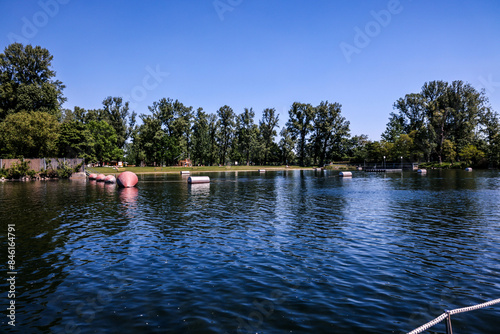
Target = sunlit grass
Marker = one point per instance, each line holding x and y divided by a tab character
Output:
176	169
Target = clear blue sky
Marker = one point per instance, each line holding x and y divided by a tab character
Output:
262	53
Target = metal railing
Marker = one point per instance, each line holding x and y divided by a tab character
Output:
447	315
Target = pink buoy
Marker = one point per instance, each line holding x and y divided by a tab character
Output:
110	179
127	179
92	176
100	178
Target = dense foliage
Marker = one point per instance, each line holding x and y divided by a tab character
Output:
443	123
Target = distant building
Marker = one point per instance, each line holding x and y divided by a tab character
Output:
185	163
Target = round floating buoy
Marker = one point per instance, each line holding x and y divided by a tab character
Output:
127	180
468	169
100	178
110	179
198	179
422	171
92	176
345	174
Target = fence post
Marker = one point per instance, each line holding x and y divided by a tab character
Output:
449	330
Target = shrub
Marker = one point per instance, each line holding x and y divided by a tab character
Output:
20	169
64	171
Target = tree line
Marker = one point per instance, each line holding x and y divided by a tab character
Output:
445	122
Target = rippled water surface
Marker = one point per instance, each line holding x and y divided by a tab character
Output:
280	252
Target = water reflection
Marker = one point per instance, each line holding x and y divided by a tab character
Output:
199	189
128	196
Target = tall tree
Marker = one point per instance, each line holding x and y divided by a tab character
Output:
27	81
267	127
299	126
175	119
286	146
246	132
440	112
213	130
491	135
358	148
226	132
181	126
201	138
116	114
330	131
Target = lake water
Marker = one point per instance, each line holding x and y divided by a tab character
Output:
280	252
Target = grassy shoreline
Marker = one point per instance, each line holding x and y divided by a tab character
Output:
204	169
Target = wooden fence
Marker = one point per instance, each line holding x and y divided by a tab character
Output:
43	163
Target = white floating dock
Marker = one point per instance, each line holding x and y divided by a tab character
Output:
468	169
345	174
422	171
262	170
185	172
198	179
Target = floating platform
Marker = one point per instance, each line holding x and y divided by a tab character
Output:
384	170
198	179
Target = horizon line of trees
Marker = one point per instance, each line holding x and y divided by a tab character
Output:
444	122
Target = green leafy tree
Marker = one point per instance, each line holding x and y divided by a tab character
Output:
472	154
377	150
441	111
226	119
75	141
358	148
116	113
27	81
29	134
201	138
329	134
213	130
299	126
286	146
267	127
449	151
491	136
181	126
105	142
175	120
246	134
403	147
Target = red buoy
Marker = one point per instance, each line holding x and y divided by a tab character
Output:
92	176
127	180
110	179
100	178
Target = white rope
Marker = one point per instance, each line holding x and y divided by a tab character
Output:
448	313
429	324
475	307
